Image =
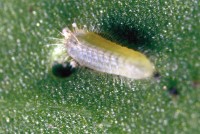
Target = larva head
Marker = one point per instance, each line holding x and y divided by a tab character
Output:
70	38
66	33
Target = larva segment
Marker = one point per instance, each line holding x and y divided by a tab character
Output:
93	51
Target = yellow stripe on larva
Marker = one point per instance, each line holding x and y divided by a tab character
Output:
95	52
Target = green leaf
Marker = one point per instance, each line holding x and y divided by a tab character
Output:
32	100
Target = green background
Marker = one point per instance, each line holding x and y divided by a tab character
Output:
33	100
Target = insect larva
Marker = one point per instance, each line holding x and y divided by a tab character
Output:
95	52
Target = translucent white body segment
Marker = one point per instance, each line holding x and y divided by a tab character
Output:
93	51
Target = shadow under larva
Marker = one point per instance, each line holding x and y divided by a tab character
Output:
128	33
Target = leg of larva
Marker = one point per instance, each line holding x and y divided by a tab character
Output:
73	63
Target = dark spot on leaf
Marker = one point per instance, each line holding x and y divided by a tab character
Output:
30	9
62	70
173	91
196	84
156	75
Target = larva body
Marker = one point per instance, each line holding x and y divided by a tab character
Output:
93	51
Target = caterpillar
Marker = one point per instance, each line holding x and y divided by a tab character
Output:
90	50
